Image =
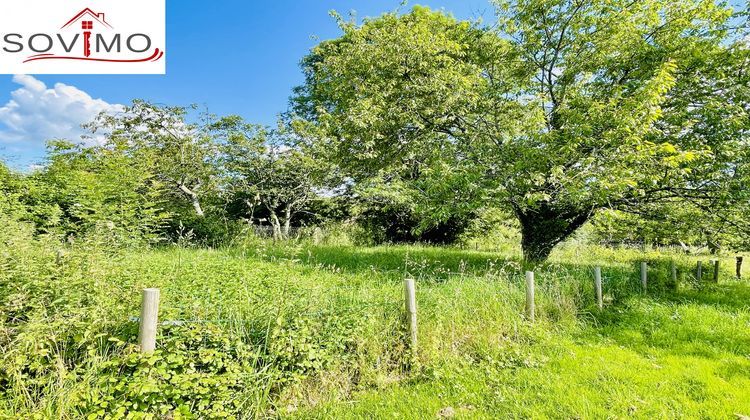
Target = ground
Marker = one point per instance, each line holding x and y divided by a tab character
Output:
324	329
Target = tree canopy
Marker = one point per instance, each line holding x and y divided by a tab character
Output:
562	108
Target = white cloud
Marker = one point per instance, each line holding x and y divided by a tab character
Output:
36	113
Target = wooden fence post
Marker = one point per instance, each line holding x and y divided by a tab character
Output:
149	319
644	276
598	286
738	268
411	312
673	271
699	271
530	309
717	263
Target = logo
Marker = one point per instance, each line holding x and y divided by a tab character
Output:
115	37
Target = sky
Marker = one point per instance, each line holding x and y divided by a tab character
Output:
230	56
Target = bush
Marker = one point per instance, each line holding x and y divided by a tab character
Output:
212	230
198	371
385	221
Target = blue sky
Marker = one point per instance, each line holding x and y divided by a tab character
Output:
233	56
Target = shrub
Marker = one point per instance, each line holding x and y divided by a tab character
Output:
198	371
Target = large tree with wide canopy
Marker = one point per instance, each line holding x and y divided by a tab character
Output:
561	108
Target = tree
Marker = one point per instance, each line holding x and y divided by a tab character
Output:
556	113
266	174
83	189
12	186
183	154
710	112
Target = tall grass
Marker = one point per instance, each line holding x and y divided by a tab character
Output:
263	329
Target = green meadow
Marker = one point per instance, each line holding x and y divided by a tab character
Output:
264	330
424	158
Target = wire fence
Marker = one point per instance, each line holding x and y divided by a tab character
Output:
393	300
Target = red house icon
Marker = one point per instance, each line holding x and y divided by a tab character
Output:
89	14
87	25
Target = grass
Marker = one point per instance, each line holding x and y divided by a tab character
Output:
662	360
316	332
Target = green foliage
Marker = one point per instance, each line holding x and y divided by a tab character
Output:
564	109
156	176
305	346
280	330
388	212
181	155
494	229
96	189
214	229
12	187
197	372
635	112
267	176
675	225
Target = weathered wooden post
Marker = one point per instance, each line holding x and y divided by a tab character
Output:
149	319
411	312
699	271
673	271
717	263
644	276
598	286
530	309
738	267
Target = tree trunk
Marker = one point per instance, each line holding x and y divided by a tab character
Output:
544	227
276	226
197	207
193	197
287	221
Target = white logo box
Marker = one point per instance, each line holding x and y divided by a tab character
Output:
83	37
